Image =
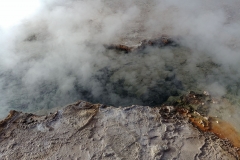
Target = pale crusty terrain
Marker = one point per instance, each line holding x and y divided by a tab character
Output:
86	131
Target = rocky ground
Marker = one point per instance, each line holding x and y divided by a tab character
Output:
93	131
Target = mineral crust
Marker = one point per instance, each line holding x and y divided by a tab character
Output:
93	131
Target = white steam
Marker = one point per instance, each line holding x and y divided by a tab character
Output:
56	55
12	12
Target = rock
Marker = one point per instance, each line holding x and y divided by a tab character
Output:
163	41
93	131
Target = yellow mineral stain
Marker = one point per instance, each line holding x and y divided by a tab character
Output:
220	128
224	130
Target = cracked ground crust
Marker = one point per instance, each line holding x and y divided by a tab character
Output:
92	131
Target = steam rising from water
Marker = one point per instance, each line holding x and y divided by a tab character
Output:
57	56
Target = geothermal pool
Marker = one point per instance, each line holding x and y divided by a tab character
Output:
58	55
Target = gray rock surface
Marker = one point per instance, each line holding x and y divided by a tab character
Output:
86	131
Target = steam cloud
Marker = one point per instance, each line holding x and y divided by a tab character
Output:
57	56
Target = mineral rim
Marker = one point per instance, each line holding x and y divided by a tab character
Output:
94	131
